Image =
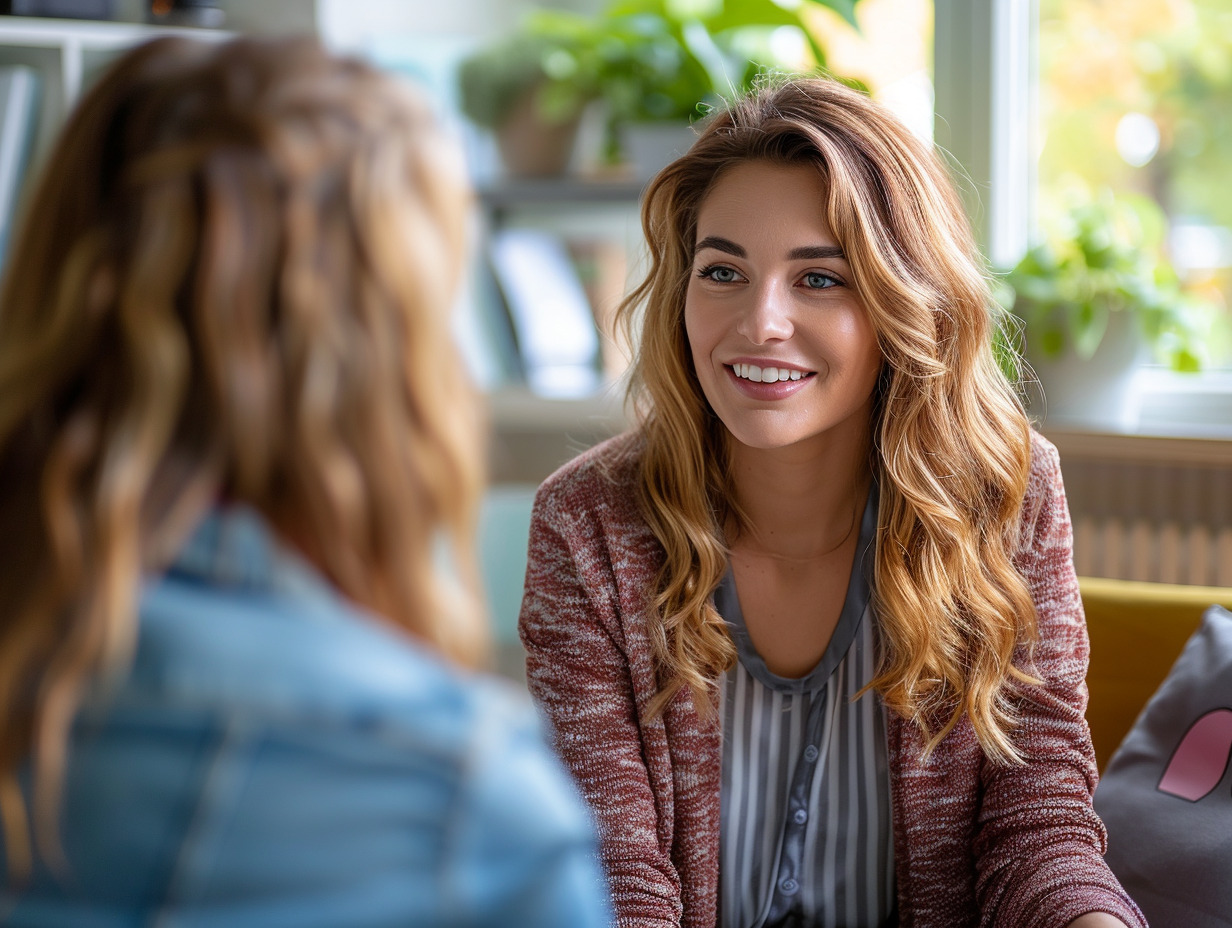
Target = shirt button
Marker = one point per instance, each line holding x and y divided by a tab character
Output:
810	753
789	887
800	817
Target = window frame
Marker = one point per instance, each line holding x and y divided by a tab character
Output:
986	124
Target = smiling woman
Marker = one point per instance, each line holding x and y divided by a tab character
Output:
781	344
810	636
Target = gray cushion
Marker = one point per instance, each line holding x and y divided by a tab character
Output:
1167	794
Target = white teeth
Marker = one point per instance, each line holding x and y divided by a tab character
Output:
765	374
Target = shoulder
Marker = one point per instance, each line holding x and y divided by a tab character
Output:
296	653
1045	465
524	845
595	496
1044	501
606	473
590	544
516	785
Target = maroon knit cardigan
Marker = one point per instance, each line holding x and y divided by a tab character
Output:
974	842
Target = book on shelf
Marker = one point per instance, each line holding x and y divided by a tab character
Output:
552	322
19	105
603	268
69	9
484	334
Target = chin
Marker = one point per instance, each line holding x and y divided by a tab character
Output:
765	439
774	433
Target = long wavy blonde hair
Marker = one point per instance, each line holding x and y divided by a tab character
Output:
951	441
232	284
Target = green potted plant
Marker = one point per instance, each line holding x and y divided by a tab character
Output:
530	89
650	62
1096	299
663	62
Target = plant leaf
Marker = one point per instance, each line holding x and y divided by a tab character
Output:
735	14
1087	327
1051	341
1186	361
844	8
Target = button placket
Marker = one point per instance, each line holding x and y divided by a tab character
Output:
791	854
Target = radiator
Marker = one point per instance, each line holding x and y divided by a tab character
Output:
1143	512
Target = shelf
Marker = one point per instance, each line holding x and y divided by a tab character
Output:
34	30
518	408
563	192
67	54
531	436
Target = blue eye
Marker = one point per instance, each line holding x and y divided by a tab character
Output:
816	280
719	273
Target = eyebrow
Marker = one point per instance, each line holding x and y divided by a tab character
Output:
810	252
803	253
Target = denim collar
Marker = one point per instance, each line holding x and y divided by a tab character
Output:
235	547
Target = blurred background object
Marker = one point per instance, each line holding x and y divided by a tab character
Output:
72	9
1136	99
655	66
1089	137
199	13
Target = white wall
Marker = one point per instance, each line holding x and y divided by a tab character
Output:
352	23
355	24
272	16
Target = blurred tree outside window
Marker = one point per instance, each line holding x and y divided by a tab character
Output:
1135	98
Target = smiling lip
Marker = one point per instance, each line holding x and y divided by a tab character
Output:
780	389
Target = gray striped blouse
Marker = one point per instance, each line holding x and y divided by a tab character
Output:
805	834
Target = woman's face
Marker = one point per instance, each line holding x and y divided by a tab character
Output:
780	340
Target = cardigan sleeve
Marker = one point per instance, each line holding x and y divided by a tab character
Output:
1039	845
579	674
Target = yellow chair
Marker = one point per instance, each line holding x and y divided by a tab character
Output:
1137	632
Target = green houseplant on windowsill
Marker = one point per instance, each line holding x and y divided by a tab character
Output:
1095	300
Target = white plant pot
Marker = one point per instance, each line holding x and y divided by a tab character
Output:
1100	393
651	146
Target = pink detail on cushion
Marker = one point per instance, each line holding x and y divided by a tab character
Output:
1199	761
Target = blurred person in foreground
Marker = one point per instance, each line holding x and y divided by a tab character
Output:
234	443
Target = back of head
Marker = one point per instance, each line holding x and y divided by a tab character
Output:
233	285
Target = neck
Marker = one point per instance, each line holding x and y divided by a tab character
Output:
800	503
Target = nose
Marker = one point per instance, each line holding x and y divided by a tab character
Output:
767	316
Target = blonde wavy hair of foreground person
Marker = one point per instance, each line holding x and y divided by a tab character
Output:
233	285
951	441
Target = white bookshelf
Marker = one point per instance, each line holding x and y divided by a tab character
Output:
67	54
531	435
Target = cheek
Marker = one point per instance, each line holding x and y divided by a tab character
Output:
701	340
698	337
859	342
869	360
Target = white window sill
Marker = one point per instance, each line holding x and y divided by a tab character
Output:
1184	405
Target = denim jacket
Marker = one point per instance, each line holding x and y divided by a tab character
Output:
276	757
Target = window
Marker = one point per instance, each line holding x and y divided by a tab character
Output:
1135	97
